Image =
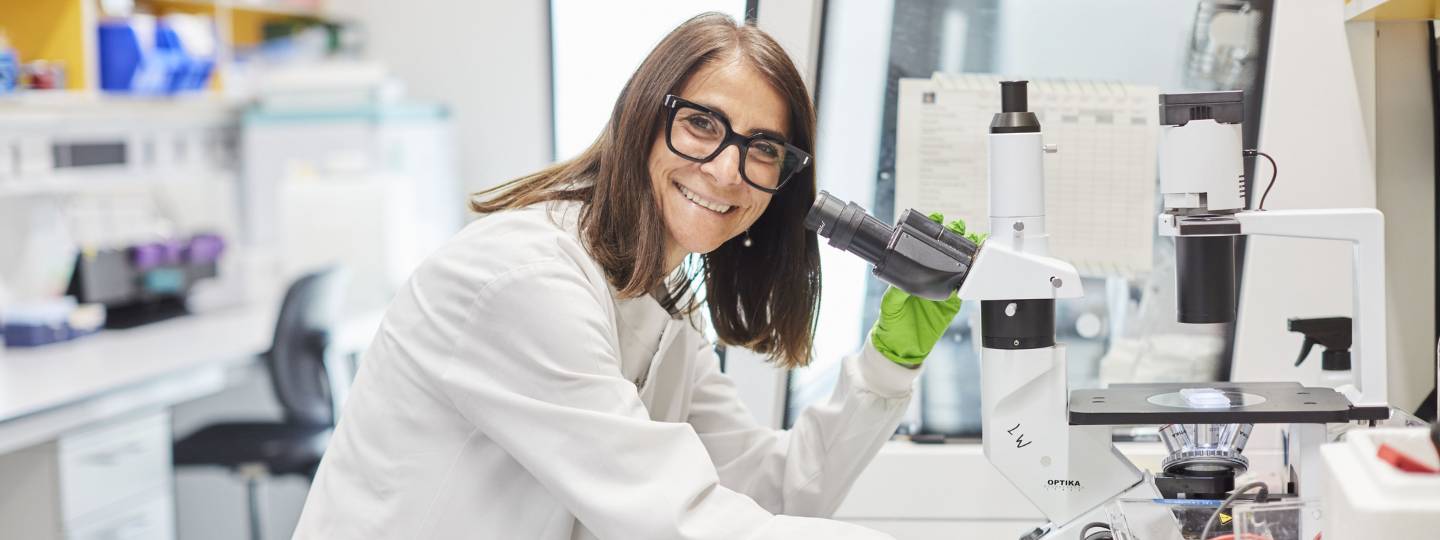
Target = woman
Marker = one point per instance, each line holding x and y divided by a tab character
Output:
544	376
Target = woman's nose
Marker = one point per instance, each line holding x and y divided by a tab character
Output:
725	168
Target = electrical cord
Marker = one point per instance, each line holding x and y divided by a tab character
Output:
1259	497
1103	534
1274	172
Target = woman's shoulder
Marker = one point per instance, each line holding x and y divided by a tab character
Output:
510	241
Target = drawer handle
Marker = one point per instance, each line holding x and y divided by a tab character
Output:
110	457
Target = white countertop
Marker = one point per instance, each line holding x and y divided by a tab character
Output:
45	390
34	379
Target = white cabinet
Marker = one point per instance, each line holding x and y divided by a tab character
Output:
110	481
148	517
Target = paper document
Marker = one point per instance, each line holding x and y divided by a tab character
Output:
1099	188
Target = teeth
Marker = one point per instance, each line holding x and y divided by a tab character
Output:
713	206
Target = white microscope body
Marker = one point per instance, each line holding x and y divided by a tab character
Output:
1067	472
1202	185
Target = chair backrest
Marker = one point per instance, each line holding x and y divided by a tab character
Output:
297	358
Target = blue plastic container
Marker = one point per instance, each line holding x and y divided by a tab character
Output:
130	64
120	56
9	70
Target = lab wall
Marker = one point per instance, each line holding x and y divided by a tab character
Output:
489	61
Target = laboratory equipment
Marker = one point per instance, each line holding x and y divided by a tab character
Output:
146	282
1066	471
1367	497
1203	198
1202	186
1054	445
1204	458
918	255
49	321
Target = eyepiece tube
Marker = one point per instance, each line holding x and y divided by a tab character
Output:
1013	96
1205	279
917	255
849	228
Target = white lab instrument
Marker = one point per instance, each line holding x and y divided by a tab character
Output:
1366	497
1054	445
1066	471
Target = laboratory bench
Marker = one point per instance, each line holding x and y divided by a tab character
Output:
85	431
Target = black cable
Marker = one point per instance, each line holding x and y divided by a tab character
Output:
1104	534
1260	497
1274	172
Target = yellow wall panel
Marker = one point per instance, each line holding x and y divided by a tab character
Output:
51	30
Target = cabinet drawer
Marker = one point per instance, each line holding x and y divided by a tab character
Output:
110	463
149	518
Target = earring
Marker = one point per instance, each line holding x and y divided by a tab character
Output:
747	242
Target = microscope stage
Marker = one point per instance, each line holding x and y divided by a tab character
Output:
1214	403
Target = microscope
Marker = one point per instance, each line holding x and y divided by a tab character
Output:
1067	471
1055	445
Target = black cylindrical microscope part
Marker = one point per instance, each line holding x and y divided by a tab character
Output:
1013	96
1205	279
917	255
849	228
1013	116
1017	324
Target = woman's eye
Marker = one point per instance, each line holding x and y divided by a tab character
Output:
767	149
702	122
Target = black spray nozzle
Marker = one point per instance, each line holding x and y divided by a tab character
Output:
917	255
1014	97
1332	333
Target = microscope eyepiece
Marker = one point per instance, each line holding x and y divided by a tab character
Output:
849	228
917	255
1013	97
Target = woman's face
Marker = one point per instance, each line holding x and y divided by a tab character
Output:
736	90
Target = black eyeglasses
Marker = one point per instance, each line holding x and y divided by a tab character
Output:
698	134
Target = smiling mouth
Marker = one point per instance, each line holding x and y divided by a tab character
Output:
718	208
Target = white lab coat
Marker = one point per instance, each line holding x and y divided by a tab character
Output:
493	404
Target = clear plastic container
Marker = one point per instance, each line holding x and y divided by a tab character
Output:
1296	519
1162	519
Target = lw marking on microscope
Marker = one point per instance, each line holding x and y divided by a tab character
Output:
1020	441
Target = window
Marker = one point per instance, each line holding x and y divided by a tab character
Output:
586	79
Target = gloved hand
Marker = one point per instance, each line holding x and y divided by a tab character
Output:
909	326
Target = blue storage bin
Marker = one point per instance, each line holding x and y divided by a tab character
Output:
120	55
140	55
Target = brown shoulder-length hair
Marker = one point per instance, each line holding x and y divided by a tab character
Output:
764	297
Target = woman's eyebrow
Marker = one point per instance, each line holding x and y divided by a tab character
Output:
761	131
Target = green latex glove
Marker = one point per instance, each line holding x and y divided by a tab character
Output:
909	326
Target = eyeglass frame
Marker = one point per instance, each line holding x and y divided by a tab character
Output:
672	103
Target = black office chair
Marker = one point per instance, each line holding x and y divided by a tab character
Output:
309	384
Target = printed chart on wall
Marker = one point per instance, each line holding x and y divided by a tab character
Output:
1099	188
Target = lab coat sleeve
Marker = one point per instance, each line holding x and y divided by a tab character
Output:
535	371
808	469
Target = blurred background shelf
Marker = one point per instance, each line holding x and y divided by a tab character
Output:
64	35
1391	10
